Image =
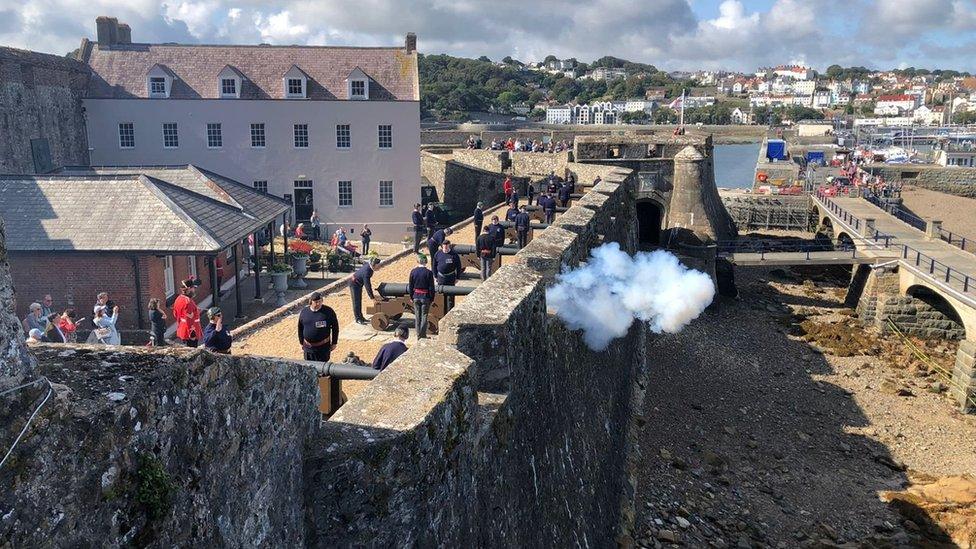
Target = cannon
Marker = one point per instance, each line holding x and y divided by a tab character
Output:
395	302
470	258
535	212
331	375
510	233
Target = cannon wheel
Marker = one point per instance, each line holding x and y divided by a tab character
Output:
380	321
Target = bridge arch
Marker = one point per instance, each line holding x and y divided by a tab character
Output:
944	307
650	220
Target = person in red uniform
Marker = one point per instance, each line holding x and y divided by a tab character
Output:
187	315
508	188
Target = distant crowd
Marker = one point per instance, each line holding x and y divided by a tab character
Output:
339	240
519	145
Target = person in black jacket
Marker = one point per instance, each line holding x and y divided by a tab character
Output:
447	269
522	227
360	279
420	288
216	336
564	194
418	227
512	212
434	242
496	231
548	204
392	350
479	219
430	219
318	329
486	247
530	193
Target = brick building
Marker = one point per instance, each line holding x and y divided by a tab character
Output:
133	232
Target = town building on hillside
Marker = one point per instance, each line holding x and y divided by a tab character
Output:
655	94
607	73
795	72
895	105
335	129
132	232
560	114
740	117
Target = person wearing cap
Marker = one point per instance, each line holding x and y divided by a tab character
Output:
447	268
430	219
530	192
420	288
187	315
216	336
318	329
522	227
360	279
434	242
507	188
418	227
389	352
478	218
487	249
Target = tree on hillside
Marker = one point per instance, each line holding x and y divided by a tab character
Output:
964	117
664	115
635	117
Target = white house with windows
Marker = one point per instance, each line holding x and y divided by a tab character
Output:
895	105
335	129
559	114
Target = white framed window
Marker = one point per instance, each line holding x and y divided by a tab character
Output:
127	135
261	186
257	135
358	88
191	266
345	194
301	136
386	194
385	136
295	87
343	136
168	278
215	135
228	87
157	86
171	135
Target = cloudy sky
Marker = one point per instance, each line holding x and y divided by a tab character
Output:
672	34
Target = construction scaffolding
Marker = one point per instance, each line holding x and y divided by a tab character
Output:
792	213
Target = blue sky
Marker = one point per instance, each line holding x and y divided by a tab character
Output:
672	34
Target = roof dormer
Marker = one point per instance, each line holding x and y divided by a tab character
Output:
229	82
159	81
357	85
295	83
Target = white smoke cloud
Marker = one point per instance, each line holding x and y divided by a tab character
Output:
604	296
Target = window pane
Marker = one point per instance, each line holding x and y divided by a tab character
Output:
343	136
358	88
386	136
257	135
215	137
171	138
157	85
228	86
127	135
345	194
301	136
295	86
386	194
261	186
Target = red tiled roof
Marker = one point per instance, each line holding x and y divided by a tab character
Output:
896	98
120	70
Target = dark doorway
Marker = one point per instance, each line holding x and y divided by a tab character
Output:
649	216
304	204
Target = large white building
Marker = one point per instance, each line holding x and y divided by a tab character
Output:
333	128
895	105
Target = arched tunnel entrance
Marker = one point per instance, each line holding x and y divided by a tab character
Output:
650	214
936	316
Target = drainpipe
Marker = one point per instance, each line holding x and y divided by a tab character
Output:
135	273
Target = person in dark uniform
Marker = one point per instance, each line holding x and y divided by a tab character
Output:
434	242
497	232
548	207
430	219
479	219
318	329
389	352
447	269
513	200
522	227
360	279
564	194
418	227
216	336
420	288
530	192
512	212
486	247
366	235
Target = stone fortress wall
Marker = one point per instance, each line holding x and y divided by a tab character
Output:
955	180
505	430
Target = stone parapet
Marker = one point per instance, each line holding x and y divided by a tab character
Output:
963	386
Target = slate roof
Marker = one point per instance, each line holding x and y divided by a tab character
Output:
120	70
178	209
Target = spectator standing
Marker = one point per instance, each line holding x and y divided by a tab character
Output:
47	306
69	326
486	251
479	219
105	331
316	223
34	319
360	279
392	350
187	315
366	235
300	231
418	227
420	288
216	336
157	324
318	329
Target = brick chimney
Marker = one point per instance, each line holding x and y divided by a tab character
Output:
125	33
411	42
107	30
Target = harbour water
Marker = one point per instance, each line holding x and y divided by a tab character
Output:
735	165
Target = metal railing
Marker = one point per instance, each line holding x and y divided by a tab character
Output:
852	220
935	268
964	243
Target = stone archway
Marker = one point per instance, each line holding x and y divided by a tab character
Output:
935	316
650	217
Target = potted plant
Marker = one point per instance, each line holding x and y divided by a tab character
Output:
315	262
279	274
299	252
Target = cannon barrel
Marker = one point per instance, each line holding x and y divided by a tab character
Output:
534	225
395	289
341	370
464	249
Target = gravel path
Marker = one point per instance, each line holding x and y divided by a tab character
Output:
754	438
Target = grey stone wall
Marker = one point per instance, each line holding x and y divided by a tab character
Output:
175	448
40	98
16	362
506	430
955	180
461	186
881	301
